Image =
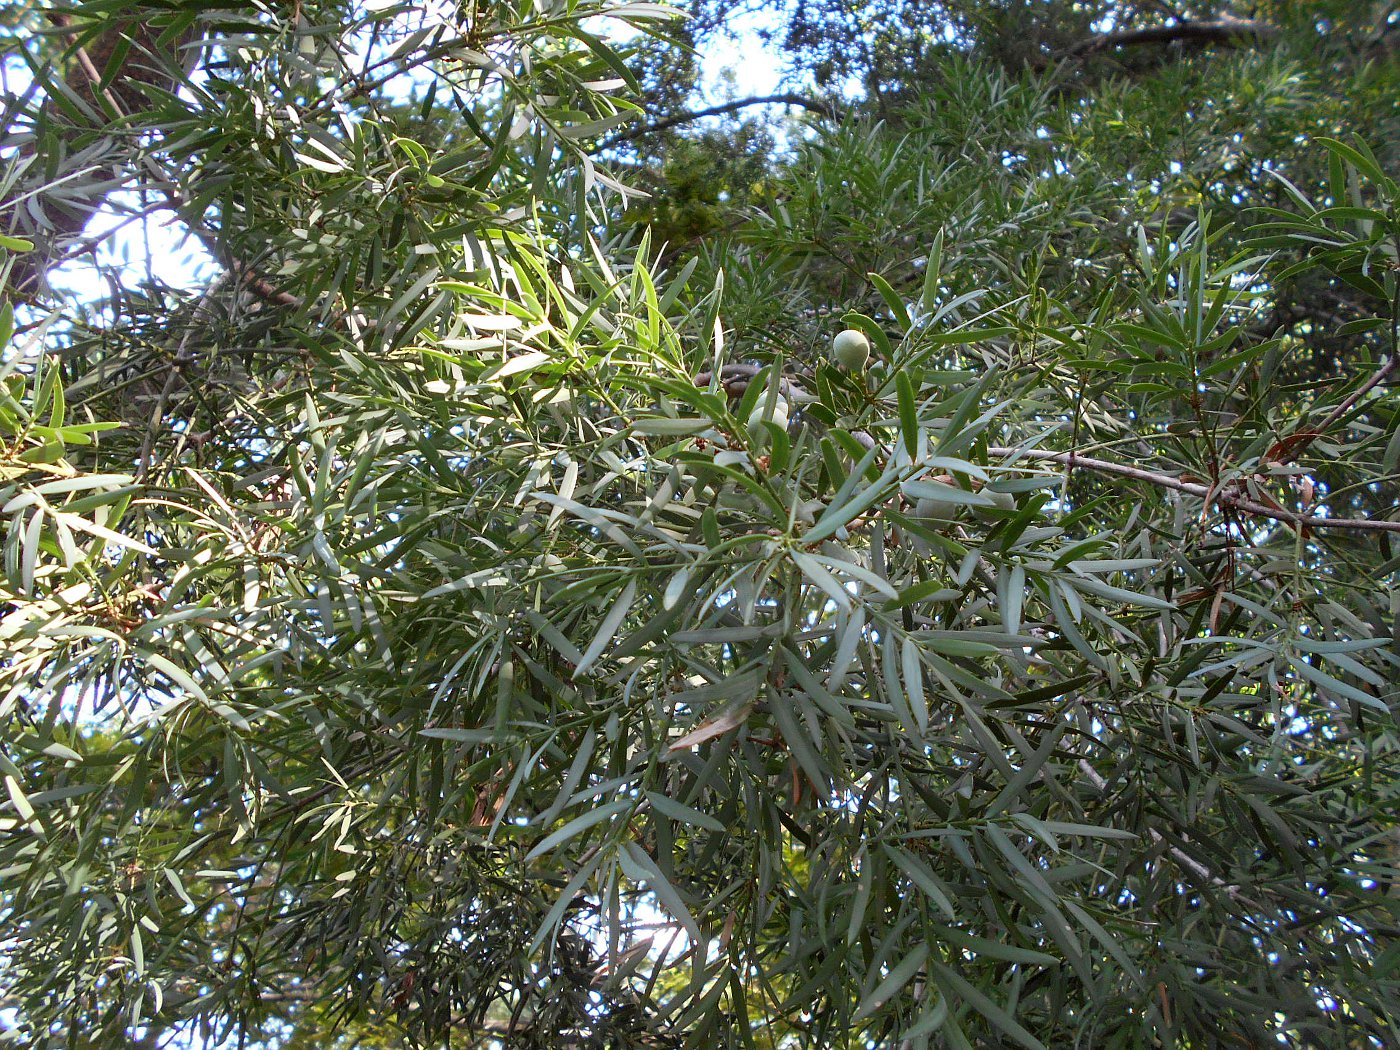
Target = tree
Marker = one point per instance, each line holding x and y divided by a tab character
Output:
466	619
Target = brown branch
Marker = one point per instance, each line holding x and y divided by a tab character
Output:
177	366
1337	413
122	96
1214	494
259	286
71	218
1231	32
85	63
735	379
786	99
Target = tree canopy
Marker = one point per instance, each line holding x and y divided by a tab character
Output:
473	605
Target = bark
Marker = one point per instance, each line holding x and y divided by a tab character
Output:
79	147
1231	32
787	99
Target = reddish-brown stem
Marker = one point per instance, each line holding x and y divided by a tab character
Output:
1213	494
1337	413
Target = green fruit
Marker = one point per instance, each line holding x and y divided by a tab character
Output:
851	349
778	417
1001	500
935	510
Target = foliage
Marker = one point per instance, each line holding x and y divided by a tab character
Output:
703	187
469	620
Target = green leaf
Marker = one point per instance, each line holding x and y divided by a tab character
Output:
640	866
611	622
898	310
836	517
19	799
579	825
993	949
1337	687
937	490
908	415
923	878
996	1016
896	979
933	273
683	814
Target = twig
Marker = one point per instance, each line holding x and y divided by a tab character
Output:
1191	488
735	378
1191	863
259	286
1337	413
177	365
63	21
787	99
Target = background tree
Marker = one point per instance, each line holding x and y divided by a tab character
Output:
470	617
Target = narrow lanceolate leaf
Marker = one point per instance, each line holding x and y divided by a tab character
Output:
666	427
996	1015
608	628
1118	594
994	949
923	878
640	866
178	676
19	799
847	502
913	672
725	722
82	524
852	634
921	489
1330	684
519	365
908	415
426	533
566	899
818	574
933	273
898	310
682	813
896	979
579	825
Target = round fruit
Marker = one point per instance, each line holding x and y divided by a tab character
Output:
778	417
851	349
1001	500
935	510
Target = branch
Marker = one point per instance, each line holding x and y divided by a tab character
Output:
177	366
29	270
1231	32
1210	493
121	95
735	378
787	99
1337	413
1189	862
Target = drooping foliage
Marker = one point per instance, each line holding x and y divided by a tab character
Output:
460	615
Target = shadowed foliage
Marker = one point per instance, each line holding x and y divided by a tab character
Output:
471	606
